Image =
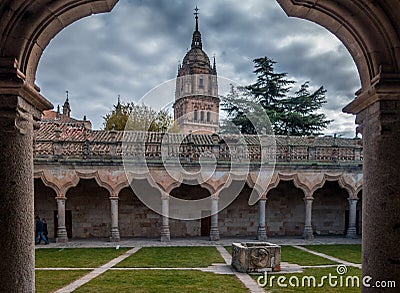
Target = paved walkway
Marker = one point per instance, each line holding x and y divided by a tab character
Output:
197	241
96	272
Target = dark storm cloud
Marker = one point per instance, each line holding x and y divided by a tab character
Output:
139	44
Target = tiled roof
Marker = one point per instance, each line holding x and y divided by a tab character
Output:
59	118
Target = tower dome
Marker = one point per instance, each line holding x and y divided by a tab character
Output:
196	60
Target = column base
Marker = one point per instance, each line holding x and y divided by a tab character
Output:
62	235
308	233
214	234
165	234
351	232
261	234
114	235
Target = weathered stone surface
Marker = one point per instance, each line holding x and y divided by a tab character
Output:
250	257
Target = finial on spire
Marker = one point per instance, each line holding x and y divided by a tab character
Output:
67	92
215	62
196	13
118	107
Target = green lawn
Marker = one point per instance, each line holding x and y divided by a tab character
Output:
348	252
75	257
49	281
318	274
179	280
296	256
163	281
173	257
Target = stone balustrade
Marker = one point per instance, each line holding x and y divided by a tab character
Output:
159	147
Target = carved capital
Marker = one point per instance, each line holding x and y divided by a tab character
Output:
383	117
17	115
13	83
384	87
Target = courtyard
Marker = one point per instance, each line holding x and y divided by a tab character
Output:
190	265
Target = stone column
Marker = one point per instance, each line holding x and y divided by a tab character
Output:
61	228
351	230
165	234
17	247
261	231
378	113
308	230
114	220
214	231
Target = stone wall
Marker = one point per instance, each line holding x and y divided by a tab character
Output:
136	219
238	218
329	210
285	210
90	208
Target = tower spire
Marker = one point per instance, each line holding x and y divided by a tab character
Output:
67	107
196	42
196	13
215	63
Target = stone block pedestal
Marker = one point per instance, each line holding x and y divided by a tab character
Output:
250	257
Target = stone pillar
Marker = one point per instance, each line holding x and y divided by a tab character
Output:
351	230
261	232
308	230
165	234
214	231
17	247
378	114
114	220
61	228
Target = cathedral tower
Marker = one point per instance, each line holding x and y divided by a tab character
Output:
196	106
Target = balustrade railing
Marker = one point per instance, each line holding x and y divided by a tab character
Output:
249	150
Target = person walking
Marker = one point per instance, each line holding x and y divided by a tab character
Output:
39	232
45	231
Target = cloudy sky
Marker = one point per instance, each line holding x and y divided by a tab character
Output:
137	47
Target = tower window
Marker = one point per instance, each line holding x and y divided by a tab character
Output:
202	116
208	116
201	82
195	115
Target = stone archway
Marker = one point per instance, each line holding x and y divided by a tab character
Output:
26	28
370	30
90	210
191	228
